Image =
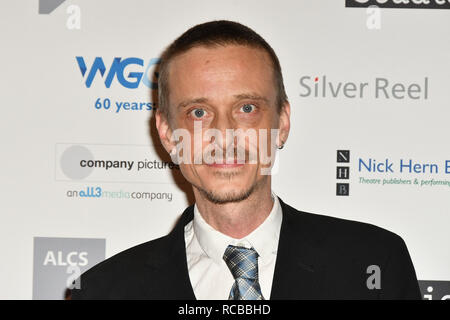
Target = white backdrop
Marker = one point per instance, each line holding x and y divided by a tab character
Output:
50	120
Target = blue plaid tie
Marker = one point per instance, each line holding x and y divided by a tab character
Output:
243	264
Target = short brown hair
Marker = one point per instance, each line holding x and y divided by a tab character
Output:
210	34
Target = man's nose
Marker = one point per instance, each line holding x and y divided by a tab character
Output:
226	125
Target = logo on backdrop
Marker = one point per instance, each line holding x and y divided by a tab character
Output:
386	171
343	172
96	165
435	290
325	86
48	6
58	263
129	73
117	71
411	4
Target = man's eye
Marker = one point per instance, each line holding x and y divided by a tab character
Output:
248	108
198	113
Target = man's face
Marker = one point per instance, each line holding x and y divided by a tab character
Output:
224	87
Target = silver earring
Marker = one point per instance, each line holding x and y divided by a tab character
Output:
281	146
174	156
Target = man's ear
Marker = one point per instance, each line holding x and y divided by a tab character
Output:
284	123
164	131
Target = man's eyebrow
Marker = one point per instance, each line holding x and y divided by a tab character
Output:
250	96
185	103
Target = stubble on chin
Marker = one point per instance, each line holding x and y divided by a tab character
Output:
218	197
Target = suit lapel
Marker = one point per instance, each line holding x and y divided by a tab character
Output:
297	271
171	265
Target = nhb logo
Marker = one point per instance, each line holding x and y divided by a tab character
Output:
343	172
130	80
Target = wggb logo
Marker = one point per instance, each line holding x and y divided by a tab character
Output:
117	70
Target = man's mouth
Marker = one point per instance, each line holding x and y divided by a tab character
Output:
229	163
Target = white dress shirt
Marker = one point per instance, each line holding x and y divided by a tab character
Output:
209	274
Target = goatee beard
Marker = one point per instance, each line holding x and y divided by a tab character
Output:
228	197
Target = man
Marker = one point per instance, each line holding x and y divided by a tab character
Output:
239	240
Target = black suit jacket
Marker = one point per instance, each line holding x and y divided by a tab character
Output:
318	257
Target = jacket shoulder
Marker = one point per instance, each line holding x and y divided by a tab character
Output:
120	271
347	252
322	228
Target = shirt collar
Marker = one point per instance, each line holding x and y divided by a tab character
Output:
264	239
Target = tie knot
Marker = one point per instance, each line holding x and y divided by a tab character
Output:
242	262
